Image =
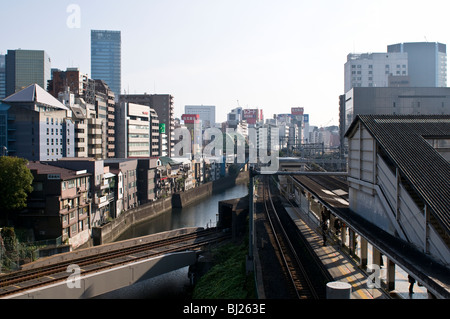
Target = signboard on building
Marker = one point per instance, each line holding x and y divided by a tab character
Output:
162	128
298	111
251	113
251	116
306	118
54	177
190	118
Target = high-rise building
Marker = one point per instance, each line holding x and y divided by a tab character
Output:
2	77
106	61
427	62
105	105
137	131
162	104
26	67
375	69
207	114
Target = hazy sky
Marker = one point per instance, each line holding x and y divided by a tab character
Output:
265	54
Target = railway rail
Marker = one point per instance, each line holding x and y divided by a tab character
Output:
23	280
305	273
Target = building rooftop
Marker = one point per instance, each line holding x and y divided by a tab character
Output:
403	138
35	94
65	174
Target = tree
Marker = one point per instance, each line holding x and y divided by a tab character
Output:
15	184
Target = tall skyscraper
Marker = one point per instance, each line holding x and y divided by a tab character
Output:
2	77
427	62
26	67
106	61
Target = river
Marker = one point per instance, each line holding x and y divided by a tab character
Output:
174	284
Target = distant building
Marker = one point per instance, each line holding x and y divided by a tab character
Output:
80	84
427	62
162	104
105	106
133	131
207	114
414	64
26	67
106	58
2	77
374	69
394	101
40	127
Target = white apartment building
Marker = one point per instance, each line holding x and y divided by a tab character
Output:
133	131
376	69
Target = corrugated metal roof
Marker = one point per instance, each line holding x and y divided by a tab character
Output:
403	139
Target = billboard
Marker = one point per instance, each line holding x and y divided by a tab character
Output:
298	111
190	118
162	128
251	114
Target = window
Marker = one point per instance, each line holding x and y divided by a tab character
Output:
71	184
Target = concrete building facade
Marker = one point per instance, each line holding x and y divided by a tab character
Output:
395	101
374	69
162	104
40	127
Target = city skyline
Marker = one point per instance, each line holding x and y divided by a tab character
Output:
268	55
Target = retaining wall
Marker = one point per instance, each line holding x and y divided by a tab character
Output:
111	231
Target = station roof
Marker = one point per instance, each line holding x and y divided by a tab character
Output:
403	139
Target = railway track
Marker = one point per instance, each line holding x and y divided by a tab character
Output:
22	280
304	272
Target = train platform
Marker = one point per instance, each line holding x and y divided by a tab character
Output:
340	267
344	269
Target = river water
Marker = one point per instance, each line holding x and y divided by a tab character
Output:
174	284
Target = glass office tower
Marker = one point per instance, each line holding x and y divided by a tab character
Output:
26	67
106	61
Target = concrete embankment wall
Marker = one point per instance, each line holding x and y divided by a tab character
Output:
184	199
111	231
